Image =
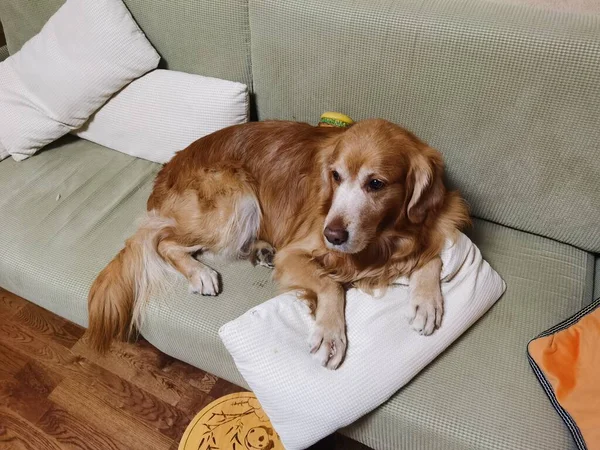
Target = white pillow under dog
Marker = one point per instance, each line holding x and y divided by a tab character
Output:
165	111
86	52
269	347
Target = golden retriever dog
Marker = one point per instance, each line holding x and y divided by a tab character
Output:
330	207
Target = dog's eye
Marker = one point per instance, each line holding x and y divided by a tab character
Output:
336	176
375	184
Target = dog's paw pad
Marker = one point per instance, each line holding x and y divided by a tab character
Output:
265	257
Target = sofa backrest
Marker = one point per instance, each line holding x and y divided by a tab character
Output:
205	37
509	94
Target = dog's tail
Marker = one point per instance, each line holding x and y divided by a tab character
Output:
120	291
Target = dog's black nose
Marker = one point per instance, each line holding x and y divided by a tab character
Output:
337	236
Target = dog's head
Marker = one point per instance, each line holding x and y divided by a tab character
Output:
378	176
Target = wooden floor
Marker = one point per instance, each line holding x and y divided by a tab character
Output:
56	393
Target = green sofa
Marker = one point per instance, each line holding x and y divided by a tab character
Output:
509	93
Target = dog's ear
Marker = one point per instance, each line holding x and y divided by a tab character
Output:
425	183
325	159
328	150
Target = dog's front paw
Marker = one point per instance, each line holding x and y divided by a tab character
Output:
204	281
426	311
328	343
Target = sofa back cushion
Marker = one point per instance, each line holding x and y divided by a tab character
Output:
509	94
204	37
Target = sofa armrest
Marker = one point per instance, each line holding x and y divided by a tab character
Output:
3	53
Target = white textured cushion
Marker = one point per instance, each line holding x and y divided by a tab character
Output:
307	402
86	52
165	111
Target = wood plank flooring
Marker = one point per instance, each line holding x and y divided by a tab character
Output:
56	393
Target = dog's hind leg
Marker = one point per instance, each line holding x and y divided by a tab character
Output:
203	280
219	214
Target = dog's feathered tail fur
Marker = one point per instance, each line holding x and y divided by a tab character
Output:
121	290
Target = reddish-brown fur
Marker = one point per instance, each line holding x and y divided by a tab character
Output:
287	167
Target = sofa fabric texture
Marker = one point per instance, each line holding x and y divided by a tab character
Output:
575	6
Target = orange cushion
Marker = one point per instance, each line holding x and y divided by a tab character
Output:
566	360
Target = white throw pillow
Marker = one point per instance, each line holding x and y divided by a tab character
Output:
86	52
164	112
307	402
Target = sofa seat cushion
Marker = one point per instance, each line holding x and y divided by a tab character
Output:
67	211
63	214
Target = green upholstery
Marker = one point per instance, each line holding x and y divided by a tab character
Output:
508	93
22	20
196	36
63	215
586	6
206	37
3	53
66	212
